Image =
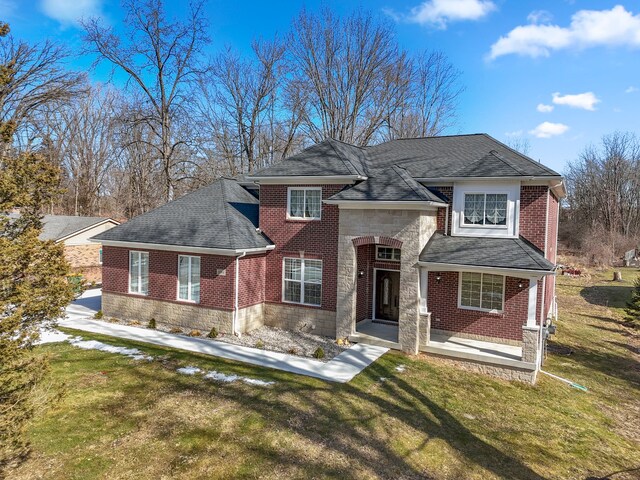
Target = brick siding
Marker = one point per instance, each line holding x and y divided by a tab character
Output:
318	239
216	291
252	280
533	213
448	192
445	314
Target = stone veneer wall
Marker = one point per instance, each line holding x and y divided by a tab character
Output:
250	318
167	314
410	227
293	317
500	371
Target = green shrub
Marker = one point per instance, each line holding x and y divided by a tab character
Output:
259	344
319	353
98	315
213	333
152	324
633	305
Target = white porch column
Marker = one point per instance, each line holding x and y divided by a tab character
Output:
424	275
533	302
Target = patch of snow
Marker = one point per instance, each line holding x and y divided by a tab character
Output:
133	353
51	336
255	381
382	379
221	377
400	368
190	370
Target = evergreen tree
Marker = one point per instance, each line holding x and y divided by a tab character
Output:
633	305
33	285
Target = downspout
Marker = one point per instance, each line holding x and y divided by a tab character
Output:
446	220
235	303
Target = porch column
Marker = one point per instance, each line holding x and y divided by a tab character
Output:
533	302
346	295
530	344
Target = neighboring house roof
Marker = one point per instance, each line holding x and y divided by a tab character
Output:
60	227
507	253
222	215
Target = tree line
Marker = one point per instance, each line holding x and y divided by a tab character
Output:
174	117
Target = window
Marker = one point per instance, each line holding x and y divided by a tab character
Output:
485	209
388	253
139	272
305	203
302	281
189	278
481	291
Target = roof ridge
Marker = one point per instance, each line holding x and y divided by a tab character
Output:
429	136
526	252
342	158
226	212
419	193
522	155
505	161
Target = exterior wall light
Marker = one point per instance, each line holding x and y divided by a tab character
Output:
361	274
438	277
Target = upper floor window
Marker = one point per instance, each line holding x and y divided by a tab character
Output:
388	254
481	291
139	272
302	281
485	209
304	203
189	278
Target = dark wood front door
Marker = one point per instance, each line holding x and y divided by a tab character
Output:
387	295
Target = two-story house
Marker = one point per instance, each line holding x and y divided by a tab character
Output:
445	245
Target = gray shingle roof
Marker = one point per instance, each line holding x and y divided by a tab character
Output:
455	156
507	253
55	227
222	215
330	157
396	185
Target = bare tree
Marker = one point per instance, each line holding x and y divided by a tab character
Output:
349	72
162	59
603	187
519	143
35	79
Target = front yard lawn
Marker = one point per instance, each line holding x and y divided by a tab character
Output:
122	418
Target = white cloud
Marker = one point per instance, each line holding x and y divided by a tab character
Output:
70	12
548	130
631	89
544	108
539	16
586	101
439	13
588	28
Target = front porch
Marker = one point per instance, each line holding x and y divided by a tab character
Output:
446	345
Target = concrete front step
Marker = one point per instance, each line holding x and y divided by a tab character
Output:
369	340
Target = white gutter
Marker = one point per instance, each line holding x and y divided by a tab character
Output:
480	179
82	230
455	267
184	248
384	204
237	285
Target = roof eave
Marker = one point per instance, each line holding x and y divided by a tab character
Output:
82	230
385	204
229	252
458	267
509	177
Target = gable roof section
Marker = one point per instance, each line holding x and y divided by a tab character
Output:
396	186
327	158
504	253
475	155
57	227
222	215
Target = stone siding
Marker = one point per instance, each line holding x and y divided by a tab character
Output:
406	226
499	371
166	314
250	318
293	317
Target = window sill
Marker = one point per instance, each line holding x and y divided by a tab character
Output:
138	294
471	225
302	219
483	310
182	300
301	304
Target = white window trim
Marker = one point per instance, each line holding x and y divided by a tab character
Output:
480	309
378	247
189	283
284	280
463	224
139	292
305	189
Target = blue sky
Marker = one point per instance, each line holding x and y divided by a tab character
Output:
559	73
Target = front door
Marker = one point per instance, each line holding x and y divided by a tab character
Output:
387	295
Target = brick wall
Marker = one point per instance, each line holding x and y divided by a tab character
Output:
448	192
216	291
445	314
552	249
318	239
533	214
252	279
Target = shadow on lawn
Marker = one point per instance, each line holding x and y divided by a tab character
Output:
607	295
338	418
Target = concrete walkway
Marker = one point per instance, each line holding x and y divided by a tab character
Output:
340	369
